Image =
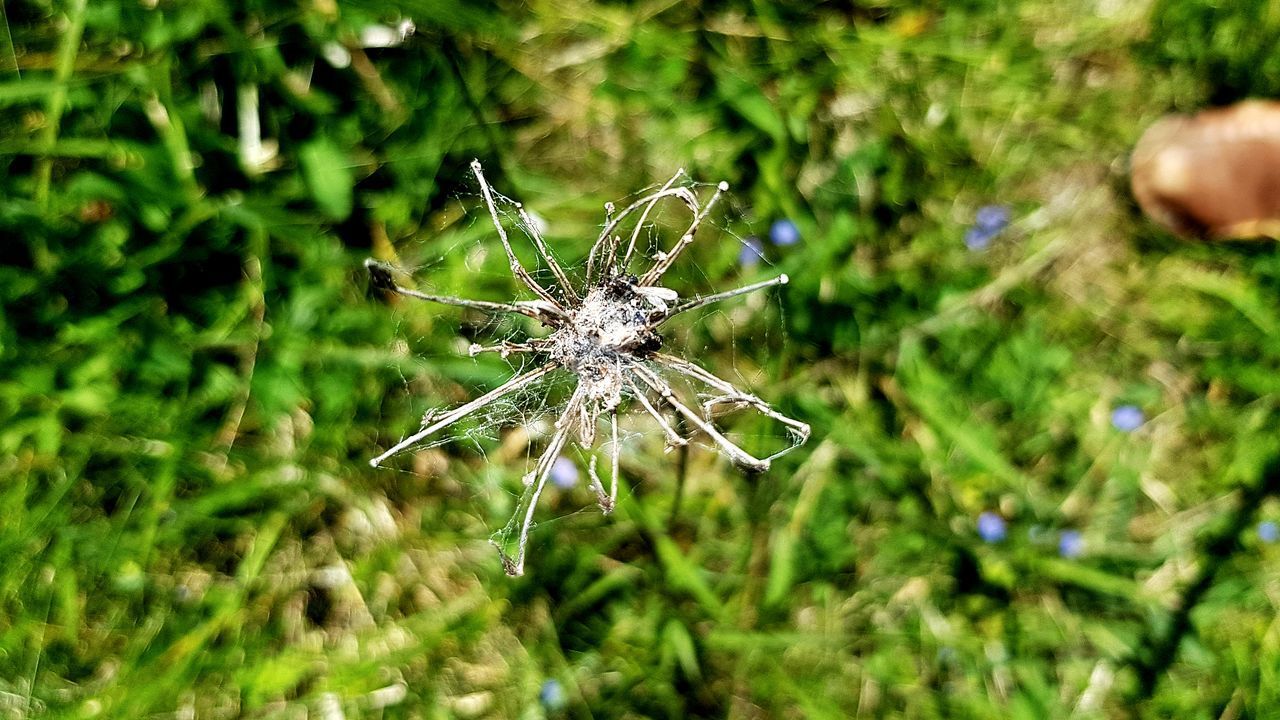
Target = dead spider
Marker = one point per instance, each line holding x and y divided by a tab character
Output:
606	335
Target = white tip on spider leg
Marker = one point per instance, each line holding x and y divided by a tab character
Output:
475	349
724	186
783	279
801	433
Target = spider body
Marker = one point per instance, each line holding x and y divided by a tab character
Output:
605	336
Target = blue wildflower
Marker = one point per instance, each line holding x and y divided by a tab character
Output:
552	695
1268	531
564	474
752	252
1070	544
1127	418
992	218
977	238
988	222
991	527
783	233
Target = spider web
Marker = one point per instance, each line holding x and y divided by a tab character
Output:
468	261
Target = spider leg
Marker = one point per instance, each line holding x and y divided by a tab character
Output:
673	438
739	456
462	411
607	502
380	276
506	349
631	246
577	417
597	487
613	479
703	300
732	394
543	250
611	248
665	260
683	193
516	268
534	483
601	245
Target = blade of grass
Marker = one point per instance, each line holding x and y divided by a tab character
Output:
57	102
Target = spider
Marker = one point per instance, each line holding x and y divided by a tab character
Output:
606	334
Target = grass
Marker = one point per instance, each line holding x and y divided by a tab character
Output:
194	374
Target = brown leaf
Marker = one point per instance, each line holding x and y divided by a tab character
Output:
1214	174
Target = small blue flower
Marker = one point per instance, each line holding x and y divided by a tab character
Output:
552	695
1070	544
992	218
976	238
564	474
991	527
988	222
783	233
1127	418
1268	531
752	252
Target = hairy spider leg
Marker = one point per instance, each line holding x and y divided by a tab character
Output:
673	438
635	234
612	220
703	300
507	348
561	277
739	456
380	276
610	501
516	268
665	260
683	193
534	483
462	411
613	481
732	395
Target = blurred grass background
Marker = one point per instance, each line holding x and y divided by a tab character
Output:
193	374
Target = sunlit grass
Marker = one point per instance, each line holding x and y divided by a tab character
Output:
193	374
